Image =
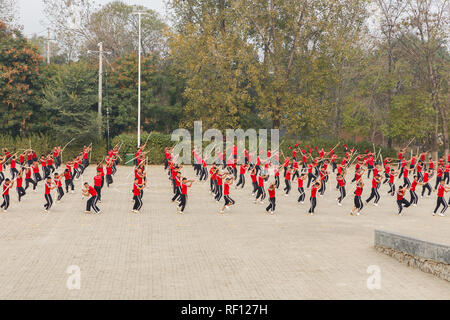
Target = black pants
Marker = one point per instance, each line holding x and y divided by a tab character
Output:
272	204
402	204
204	174
392	189
343	193
177	194
323	188
447	177
414	197
374	194
310	178
14	172
369	170
28	181
261	193
5	204
92	203
427	187
60	193
288	186
20	192
212	186
302	196
183	201
99	192
109	180
277	182
2	177
441	200
219	192
51	168
48	198
241	181
228	200
406	182
438	179
358	203
313	204
255	187
137	203
69	183
37	177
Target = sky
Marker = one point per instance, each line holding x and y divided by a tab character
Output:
31	13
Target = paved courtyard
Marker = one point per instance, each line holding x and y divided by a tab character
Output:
244	254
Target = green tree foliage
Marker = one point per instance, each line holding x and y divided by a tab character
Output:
69	102
19	82
161	100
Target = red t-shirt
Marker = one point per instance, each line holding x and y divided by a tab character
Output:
226	189
98	181
271	193
440	192
92	191
313	191
136	191
358	191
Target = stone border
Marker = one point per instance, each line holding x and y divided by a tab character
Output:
426	256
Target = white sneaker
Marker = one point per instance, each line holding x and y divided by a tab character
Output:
5	211
272	212
357	213
339	204
303	202
414	205
228	208
72	191
375	204
441	214
286	195
262	202
433	214
221	211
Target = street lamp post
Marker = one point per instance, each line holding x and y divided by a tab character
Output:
139	13
100	82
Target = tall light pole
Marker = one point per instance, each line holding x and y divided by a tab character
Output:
100	83
139	13
48	45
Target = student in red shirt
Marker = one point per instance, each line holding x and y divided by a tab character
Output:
442	189
37	175
341	182
426	182
272	199
242	170
301	190
392	176
48	187
185	184
5	192
177	180
68	180
358	204
261	191
439	175
109	172
20	190
12	167
137	196
226	194
313	198
254	180
287	180
50	166
374	193
59	188
412	191
92	201
98	186
29	180
2	176
401	201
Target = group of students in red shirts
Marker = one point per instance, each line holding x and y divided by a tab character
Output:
30	173
315	175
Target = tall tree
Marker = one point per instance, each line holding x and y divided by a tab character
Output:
424	36
20	82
